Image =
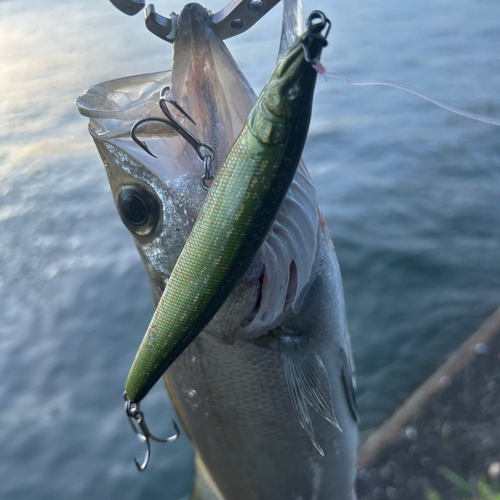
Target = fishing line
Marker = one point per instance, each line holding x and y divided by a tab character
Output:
388	83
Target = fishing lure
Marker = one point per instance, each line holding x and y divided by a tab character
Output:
239	210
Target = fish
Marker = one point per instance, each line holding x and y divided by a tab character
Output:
266	392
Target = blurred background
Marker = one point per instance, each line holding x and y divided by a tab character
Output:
411	195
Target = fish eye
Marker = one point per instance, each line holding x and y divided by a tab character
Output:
139	209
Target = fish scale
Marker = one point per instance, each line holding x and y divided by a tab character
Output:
239	210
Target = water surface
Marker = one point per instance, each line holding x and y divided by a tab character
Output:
410	193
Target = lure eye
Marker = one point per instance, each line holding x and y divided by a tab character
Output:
293	92
139	209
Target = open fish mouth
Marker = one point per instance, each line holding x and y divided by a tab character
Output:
205	81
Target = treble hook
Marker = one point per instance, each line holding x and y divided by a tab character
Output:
205	156
138	424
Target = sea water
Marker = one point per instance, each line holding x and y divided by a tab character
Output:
411	195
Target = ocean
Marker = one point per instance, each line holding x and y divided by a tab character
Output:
411	195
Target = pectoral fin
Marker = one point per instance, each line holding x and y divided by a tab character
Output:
307	382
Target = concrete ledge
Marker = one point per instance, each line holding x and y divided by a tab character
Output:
395	426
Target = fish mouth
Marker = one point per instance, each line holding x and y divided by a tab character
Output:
205	81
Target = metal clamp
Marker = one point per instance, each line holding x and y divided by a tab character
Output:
235	18
129	7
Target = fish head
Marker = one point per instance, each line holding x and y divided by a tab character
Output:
159	197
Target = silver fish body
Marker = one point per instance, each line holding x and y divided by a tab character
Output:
263	390
241	418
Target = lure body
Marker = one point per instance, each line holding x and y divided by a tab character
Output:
239	210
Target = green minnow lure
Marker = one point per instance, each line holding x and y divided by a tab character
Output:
238	212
